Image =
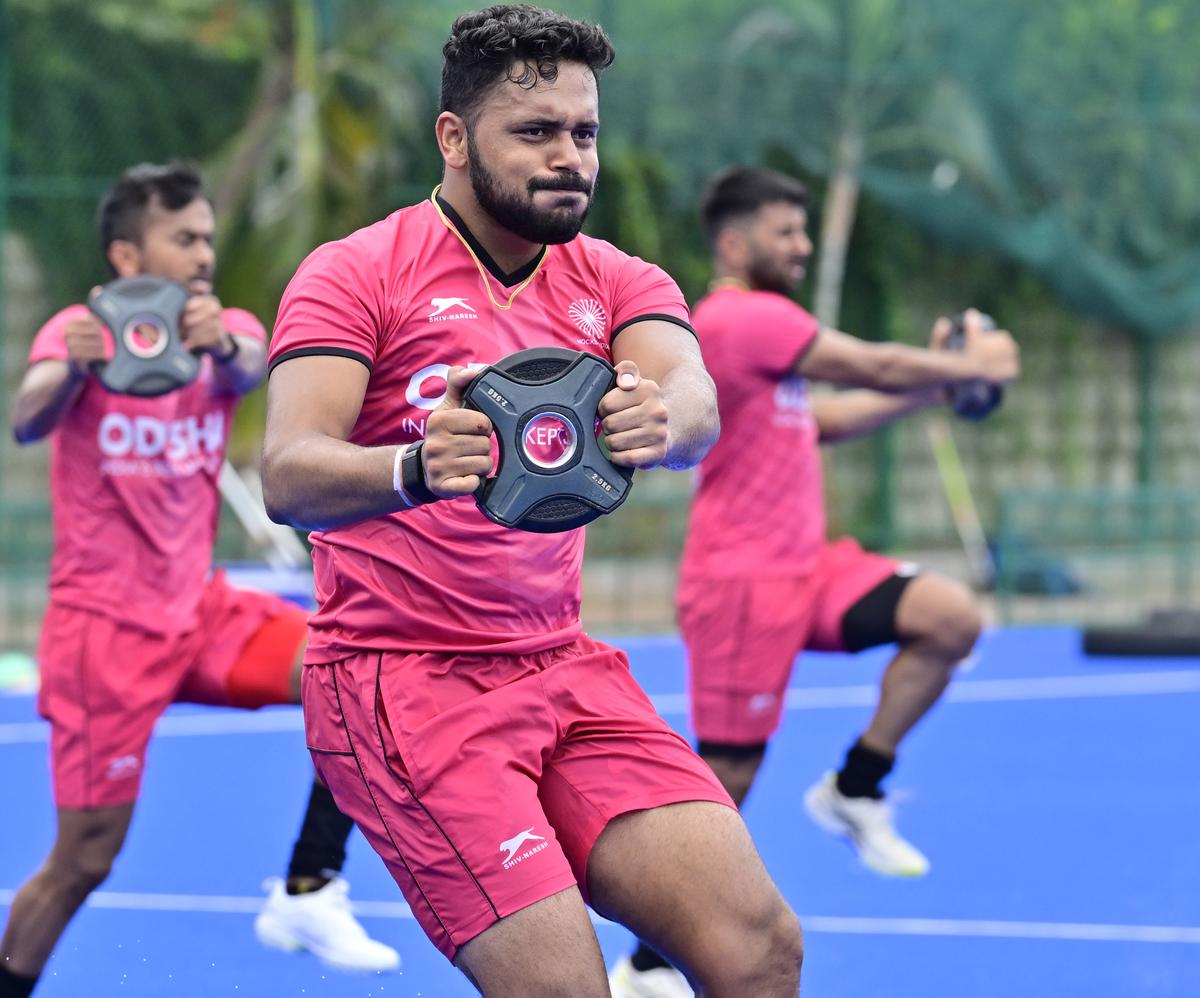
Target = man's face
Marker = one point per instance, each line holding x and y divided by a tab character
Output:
179	244
533	157
779	247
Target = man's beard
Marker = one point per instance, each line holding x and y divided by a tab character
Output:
767	276
518	214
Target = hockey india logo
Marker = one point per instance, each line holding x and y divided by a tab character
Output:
588	315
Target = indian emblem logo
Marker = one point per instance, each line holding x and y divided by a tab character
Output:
588	315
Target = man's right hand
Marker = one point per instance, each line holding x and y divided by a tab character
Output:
990	354
457	452
85	345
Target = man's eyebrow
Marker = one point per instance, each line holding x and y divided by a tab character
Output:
556	123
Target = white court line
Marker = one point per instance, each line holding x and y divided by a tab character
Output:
970	928
957	927
982	690
814	698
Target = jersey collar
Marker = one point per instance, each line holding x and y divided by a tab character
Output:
522	273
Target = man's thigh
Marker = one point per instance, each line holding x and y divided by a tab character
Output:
103	687
687	879
244	651
616	754
855	594
450	802
742	638
547	948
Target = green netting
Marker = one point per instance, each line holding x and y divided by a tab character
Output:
1102	556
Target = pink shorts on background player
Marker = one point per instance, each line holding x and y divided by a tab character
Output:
743	635
104	684
484	780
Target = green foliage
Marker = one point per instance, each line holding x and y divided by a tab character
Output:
92	99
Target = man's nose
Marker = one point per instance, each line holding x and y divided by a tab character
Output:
564	154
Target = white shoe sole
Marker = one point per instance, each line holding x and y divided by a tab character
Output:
277	938
280	939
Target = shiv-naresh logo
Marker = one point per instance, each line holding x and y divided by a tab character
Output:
512	848
445	309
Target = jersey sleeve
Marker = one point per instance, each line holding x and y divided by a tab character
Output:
644	291
50	342
781	333
330	307
239	322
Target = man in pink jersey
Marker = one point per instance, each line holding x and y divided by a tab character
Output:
134	622
504	764
759	582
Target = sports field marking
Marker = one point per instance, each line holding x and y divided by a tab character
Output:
668	704
832	924
984	690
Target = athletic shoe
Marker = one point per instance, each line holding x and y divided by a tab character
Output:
661	982
867	823
322	923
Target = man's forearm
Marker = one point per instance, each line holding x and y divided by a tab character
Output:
40	405
692	421
903	368
244	371
847	415
319	482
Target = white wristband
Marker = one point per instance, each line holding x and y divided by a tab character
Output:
397	483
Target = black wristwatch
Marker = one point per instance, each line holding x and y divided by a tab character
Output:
412	476
225	358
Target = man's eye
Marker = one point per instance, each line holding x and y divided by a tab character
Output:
585	134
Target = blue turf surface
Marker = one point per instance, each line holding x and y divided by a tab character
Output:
1050	810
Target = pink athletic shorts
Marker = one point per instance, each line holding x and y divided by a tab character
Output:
484	780
743	635
104	684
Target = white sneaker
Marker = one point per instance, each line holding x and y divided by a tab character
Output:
867	823
662	982
322	923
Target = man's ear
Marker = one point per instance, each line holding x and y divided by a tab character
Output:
125	257
733	246
451	131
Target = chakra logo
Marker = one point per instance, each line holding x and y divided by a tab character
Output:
588	315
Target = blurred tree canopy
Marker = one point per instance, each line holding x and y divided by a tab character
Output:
1061	135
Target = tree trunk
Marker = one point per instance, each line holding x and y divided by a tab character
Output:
837	224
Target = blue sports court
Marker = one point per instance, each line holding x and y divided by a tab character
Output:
1056	797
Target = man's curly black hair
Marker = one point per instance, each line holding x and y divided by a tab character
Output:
517	42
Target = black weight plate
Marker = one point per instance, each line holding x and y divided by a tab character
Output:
971	400
562	388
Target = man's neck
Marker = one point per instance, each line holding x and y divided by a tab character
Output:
727	277
509	251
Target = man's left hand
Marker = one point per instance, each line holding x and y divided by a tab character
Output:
633	418
202	328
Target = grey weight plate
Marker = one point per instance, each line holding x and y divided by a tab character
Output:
149	357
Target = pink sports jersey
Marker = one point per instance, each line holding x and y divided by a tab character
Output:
133	483
759	509
407	298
